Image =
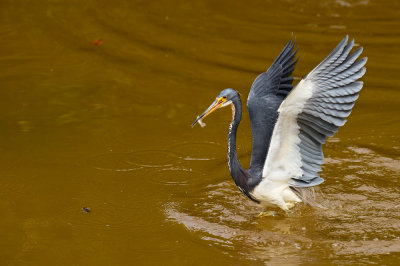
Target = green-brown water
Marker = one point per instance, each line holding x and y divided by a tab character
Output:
108	127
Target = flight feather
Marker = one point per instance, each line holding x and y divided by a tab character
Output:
313	111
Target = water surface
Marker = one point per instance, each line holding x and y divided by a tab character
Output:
107	127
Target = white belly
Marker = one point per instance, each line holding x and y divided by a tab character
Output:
275	193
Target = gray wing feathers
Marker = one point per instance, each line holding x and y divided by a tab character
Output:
268	91
336	90
277	78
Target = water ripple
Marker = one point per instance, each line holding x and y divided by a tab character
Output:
362	215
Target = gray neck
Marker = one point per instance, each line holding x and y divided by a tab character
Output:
233	162
239	175
242	177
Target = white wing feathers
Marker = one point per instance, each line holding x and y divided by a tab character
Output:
314	110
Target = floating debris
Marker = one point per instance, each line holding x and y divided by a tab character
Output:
97	42
86	209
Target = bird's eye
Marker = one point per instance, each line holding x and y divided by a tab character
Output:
224	97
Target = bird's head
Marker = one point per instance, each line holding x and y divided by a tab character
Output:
224	98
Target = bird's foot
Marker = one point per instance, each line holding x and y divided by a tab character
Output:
267	214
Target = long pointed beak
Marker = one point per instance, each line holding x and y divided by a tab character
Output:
214	106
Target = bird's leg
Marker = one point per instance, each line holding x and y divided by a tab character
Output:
267	214
283	208
289	205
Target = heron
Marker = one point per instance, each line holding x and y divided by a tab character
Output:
290	124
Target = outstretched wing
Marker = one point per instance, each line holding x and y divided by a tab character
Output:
268	91
313	111
276	79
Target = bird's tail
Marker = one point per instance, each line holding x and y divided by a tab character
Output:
308	195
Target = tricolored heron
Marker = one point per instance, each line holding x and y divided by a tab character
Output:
290	125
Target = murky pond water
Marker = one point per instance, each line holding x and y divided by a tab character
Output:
97	98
